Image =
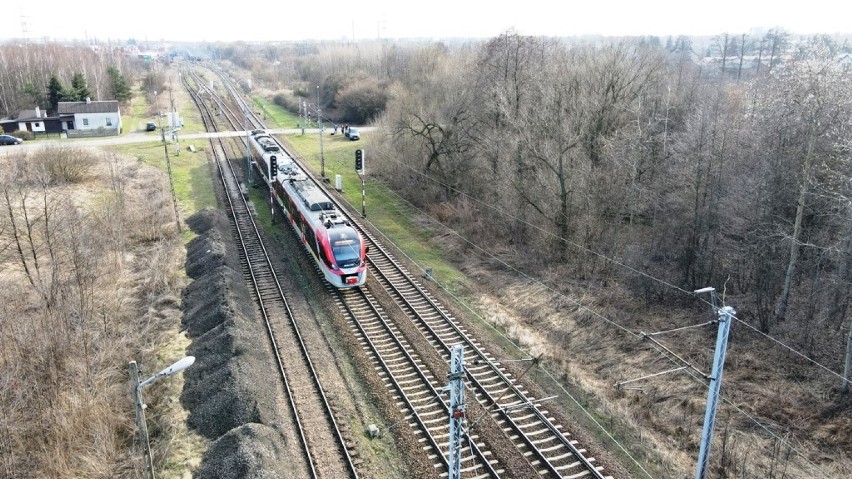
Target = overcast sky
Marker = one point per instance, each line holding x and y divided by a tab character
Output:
209	20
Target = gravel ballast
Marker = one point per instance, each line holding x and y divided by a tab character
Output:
228	392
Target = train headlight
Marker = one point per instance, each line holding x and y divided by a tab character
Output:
334	267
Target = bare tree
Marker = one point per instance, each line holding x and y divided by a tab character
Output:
742	52
441	123
724	46
814	95
508	68
777	40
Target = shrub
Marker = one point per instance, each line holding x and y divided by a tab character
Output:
23	134
286	101
65	164
361	102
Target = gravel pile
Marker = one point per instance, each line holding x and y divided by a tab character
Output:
241	453
228	393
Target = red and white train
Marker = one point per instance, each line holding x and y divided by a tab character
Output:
337	248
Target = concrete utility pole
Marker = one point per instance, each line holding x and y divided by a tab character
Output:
248	151
725	315
168	164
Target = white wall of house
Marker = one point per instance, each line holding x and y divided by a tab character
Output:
37	126
93	121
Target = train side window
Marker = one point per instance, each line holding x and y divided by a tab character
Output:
312	240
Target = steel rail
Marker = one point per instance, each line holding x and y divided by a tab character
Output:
506	383
285	303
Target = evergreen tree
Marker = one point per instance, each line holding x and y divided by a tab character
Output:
120	89
36	94
55	93
80	91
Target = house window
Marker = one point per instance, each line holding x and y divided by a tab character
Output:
109	121
37	125
85	122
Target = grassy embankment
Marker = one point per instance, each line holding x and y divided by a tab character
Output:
394	218
385	210
193	186
193	189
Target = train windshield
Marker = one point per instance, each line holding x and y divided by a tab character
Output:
346	247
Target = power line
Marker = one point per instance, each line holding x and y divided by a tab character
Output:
510	340
600	255
516	270
667	353
546	232
765	428
830	371
592	417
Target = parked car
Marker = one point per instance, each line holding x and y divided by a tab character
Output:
352	134
151	126
10	140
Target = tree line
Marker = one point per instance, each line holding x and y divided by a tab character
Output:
44	74
682	168
725	163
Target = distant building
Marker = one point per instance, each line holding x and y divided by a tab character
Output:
90	118
35	121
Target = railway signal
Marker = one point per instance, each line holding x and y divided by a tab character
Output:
359	161
359	167
273	172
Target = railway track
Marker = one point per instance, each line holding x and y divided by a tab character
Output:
417	392
525	422
324	450
550	451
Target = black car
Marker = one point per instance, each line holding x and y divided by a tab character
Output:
10	140
151	126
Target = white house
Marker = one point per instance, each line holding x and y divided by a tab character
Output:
31	120
90	118
35	122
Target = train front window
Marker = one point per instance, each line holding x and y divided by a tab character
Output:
346	247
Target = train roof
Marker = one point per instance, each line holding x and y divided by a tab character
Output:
313	197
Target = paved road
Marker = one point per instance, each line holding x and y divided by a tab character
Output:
141	137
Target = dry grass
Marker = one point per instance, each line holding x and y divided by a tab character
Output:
577	330
89	279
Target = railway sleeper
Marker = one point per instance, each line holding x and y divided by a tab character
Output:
423	392
441	414
567	455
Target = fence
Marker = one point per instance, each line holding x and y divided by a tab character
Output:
97	132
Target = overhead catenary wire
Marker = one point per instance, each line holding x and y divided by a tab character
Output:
596	314
619	384
518	347
803	356
668	352
762	426
586	249
657	333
